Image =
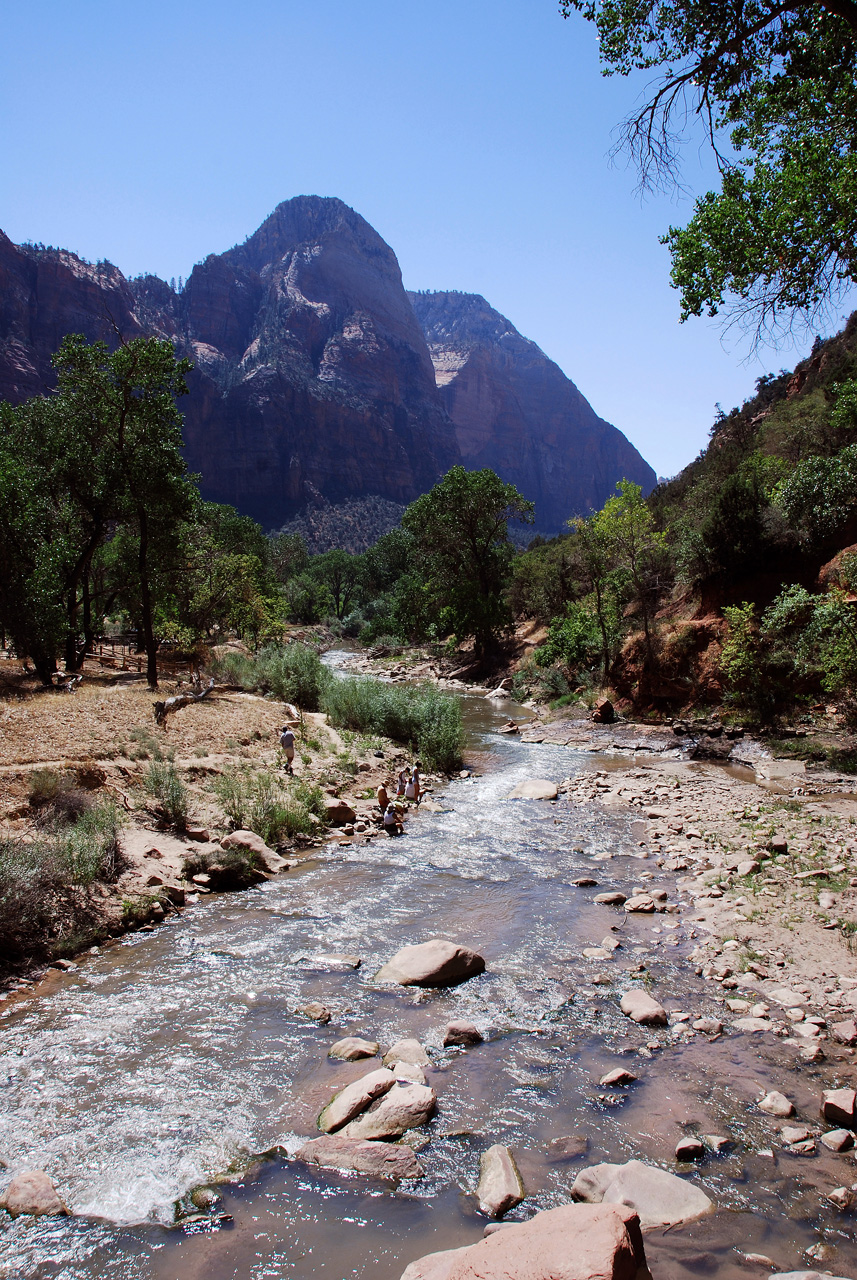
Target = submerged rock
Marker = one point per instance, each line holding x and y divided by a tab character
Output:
500	1184
463	1033
436	963
776	1104
535	789
378	1159
661	1199
33	1193
574	1242
406	1051
406	1106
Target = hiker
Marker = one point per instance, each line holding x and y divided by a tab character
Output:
287	742
402	783
382	797
392	824
412	789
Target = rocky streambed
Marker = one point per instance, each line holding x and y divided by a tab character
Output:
171	1087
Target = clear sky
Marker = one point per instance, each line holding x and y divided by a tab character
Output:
472	134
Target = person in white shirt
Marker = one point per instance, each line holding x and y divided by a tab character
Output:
287	742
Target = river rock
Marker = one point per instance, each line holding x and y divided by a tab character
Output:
611	899
403	1107
752	1024
616	1078
639	1006
838	1140
776	1104
844	1032
32	1192
535	789
411	1072
839	1106
718	1143
689	1149
436	963
573	1242
354	1098
406	1051
710	1026
249	842
802	1275
603	712
316	1012
640	903
500	1185
338	812
463	1033
570	1146
661	1199
352	1048
378	1159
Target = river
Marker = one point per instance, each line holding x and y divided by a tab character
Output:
172	1057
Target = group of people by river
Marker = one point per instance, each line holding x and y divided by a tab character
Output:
408	787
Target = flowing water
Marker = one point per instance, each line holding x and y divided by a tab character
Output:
177	1057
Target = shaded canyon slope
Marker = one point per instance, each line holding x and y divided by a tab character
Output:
313	383
515	411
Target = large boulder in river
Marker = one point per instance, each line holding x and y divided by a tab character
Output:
249	842
32	1193
661	1199
377	1159
500	1185
338	812
535	789
639	1006
354	1098
406	1106
436	963
574	1242
352	1048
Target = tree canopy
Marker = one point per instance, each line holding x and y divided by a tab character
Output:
774	89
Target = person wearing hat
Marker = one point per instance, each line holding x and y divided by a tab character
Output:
287	742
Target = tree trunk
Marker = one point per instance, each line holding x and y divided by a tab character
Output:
146	603
71	634
88	631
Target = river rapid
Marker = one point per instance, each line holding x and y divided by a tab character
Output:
178	1056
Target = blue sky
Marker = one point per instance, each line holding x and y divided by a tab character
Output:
472	134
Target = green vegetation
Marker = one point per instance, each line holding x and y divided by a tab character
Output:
170	793
291	672
45	903
773	89
260	801
424	717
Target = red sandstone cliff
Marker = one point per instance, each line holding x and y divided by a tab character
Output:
515	411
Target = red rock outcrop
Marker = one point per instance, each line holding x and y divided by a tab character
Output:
515	411
313	383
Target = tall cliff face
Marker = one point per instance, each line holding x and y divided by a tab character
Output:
516	412
313	381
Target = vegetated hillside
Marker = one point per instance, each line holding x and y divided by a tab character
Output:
737	580
353	525
516	412
731	539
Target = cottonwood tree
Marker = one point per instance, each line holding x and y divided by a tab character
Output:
462	551
773	87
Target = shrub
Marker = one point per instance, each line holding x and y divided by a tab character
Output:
259	801
172	796
292	672
424	717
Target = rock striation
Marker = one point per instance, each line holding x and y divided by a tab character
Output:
516	412
314	389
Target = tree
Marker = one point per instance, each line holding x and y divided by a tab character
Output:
129	396
596	550
625	528
773	86
341	573
463	552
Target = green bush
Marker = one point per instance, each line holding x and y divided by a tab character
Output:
291	672
44	903
170	793
573	640
422	716
260	801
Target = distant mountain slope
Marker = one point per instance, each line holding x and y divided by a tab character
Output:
313	383
515	411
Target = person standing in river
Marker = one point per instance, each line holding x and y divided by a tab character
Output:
412	788
382	798
401	784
